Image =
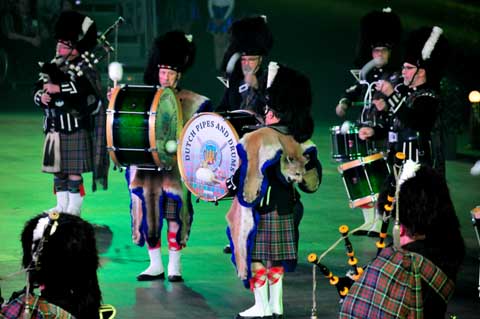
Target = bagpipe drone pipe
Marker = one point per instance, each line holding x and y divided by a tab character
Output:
386	209
52	72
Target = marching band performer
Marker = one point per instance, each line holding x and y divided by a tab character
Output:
417	279
413	105
250	42
160	195
380	33
261	218
74	114
60	259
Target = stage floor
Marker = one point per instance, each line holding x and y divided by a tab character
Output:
211	289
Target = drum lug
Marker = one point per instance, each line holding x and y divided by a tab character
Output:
197	200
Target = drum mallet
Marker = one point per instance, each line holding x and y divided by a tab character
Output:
115	72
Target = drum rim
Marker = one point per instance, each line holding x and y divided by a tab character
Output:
373	157
109	130
373	198
152	138
152	135
181	168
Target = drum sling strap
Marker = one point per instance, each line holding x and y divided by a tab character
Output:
51	153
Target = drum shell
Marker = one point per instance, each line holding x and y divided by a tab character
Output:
140	120
363	179
347	146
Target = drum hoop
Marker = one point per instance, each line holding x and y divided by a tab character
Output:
348	165
364	200
181	168
373	157
151	126
152	137
109	131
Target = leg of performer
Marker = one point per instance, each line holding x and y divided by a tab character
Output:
275	279
155	269
76	192
368	216
174	253
60	185
259	285
374	230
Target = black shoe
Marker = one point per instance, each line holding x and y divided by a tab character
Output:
146	277
227	249
360	232
175	278
275	316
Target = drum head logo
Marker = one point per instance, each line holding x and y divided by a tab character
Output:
208	155
211	155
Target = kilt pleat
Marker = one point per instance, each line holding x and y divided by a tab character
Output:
275	238
76	152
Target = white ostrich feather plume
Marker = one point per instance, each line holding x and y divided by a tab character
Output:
272	72
409	170
431	42
40	228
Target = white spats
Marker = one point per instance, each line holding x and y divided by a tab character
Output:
75	201
155	269
261	308
62	203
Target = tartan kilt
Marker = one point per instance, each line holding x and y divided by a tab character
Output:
170	209
275	238
76	152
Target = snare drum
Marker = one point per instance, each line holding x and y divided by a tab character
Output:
141	120
207	153
363	178
347	146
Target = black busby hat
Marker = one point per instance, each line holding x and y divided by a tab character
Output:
77	28
289	95
59	252
378	29
427	48
249	36
174	50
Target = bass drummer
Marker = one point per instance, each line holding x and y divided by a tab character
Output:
380	32
159	196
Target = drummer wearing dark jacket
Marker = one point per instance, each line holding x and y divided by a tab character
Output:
413	105
244	65
380	33
74	114
261	219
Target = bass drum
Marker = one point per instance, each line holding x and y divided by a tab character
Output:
141	122
207	153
